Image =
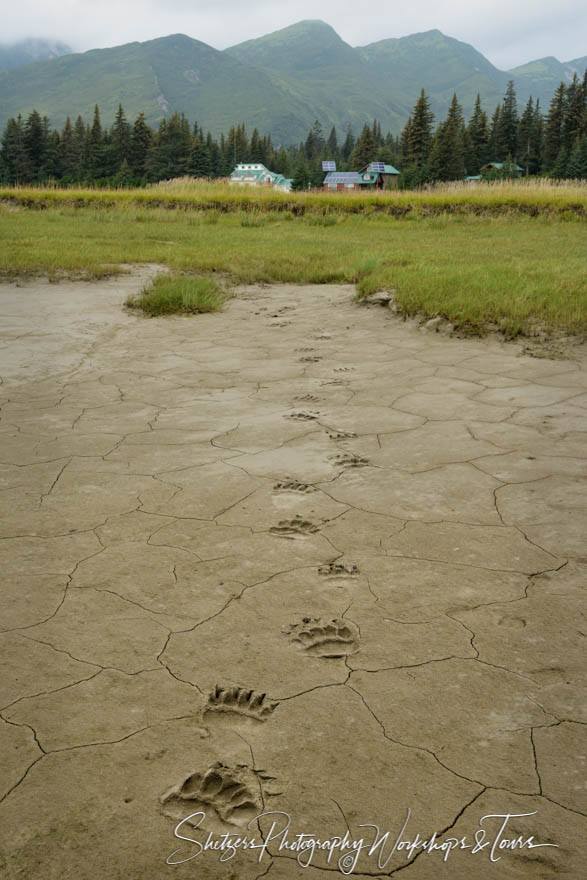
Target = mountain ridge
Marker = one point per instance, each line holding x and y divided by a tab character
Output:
280	82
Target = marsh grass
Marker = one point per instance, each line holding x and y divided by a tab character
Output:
531	197
514	270
174	293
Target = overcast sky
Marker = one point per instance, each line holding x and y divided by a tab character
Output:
507	32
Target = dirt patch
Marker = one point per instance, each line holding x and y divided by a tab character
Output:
330	566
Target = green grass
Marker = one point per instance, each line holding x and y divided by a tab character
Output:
477	269
498	198
172	294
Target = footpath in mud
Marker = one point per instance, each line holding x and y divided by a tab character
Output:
295	558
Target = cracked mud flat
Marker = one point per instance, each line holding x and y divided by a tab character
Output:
295	556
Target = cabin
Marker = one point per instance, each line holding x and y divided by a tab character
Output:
256	174
376	175
501	166
341	180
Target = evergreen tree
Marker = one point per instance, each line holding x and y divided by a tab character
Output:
257	151
332	144
140	141
365	149
508	120
529	137
477	141
559	169
95	157
553	128
35	140
575	110
52	165
419	140
199	164
15	162
69	153
281	163
447	156
121	140
301	177
577	165
348	146
496	146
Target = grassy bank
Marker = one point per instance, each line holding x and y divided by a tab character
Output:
514	270
531	198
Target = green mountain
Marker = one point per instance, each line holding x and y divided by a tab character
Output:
315	66
28	51
441	65
279	83
158	77
540	78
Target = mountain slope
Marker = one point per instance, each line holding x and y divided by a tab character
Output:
438	64
315	65
541	77
279	83
157	77
27	51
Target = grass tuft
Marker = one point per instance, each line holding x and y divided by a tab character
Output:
178	294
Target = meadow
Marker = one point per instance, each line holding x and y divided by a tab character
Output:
506	255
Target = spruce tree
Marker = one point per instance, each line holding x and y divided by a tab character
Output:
35	140
419	140
577	164
508	135
447	156
575	110
15	162
301	176
477	141
365	149
553	128
332	144
121	139
69	153
199	164
559	169
348	145
140	141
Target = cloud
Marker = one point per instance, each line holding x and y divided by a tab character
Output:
507	33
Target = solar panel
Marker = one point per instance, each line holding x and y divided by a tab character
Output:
329	166
378	167
342	177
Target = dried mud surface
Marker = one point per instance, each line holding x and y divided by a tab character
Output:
296	556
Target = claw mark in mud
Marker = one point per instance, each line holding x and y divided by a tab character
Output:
343	369
343	435
243	702
323	637
349	460
512	622
309	359
280	323
294	486
337	569
291	528
309	398
305	348
302	416
227	794
333	382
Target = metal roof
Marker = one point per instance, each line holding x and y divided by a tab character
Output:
387	169
342	177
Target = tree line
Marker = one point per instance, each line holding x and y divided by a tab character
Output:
135	154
